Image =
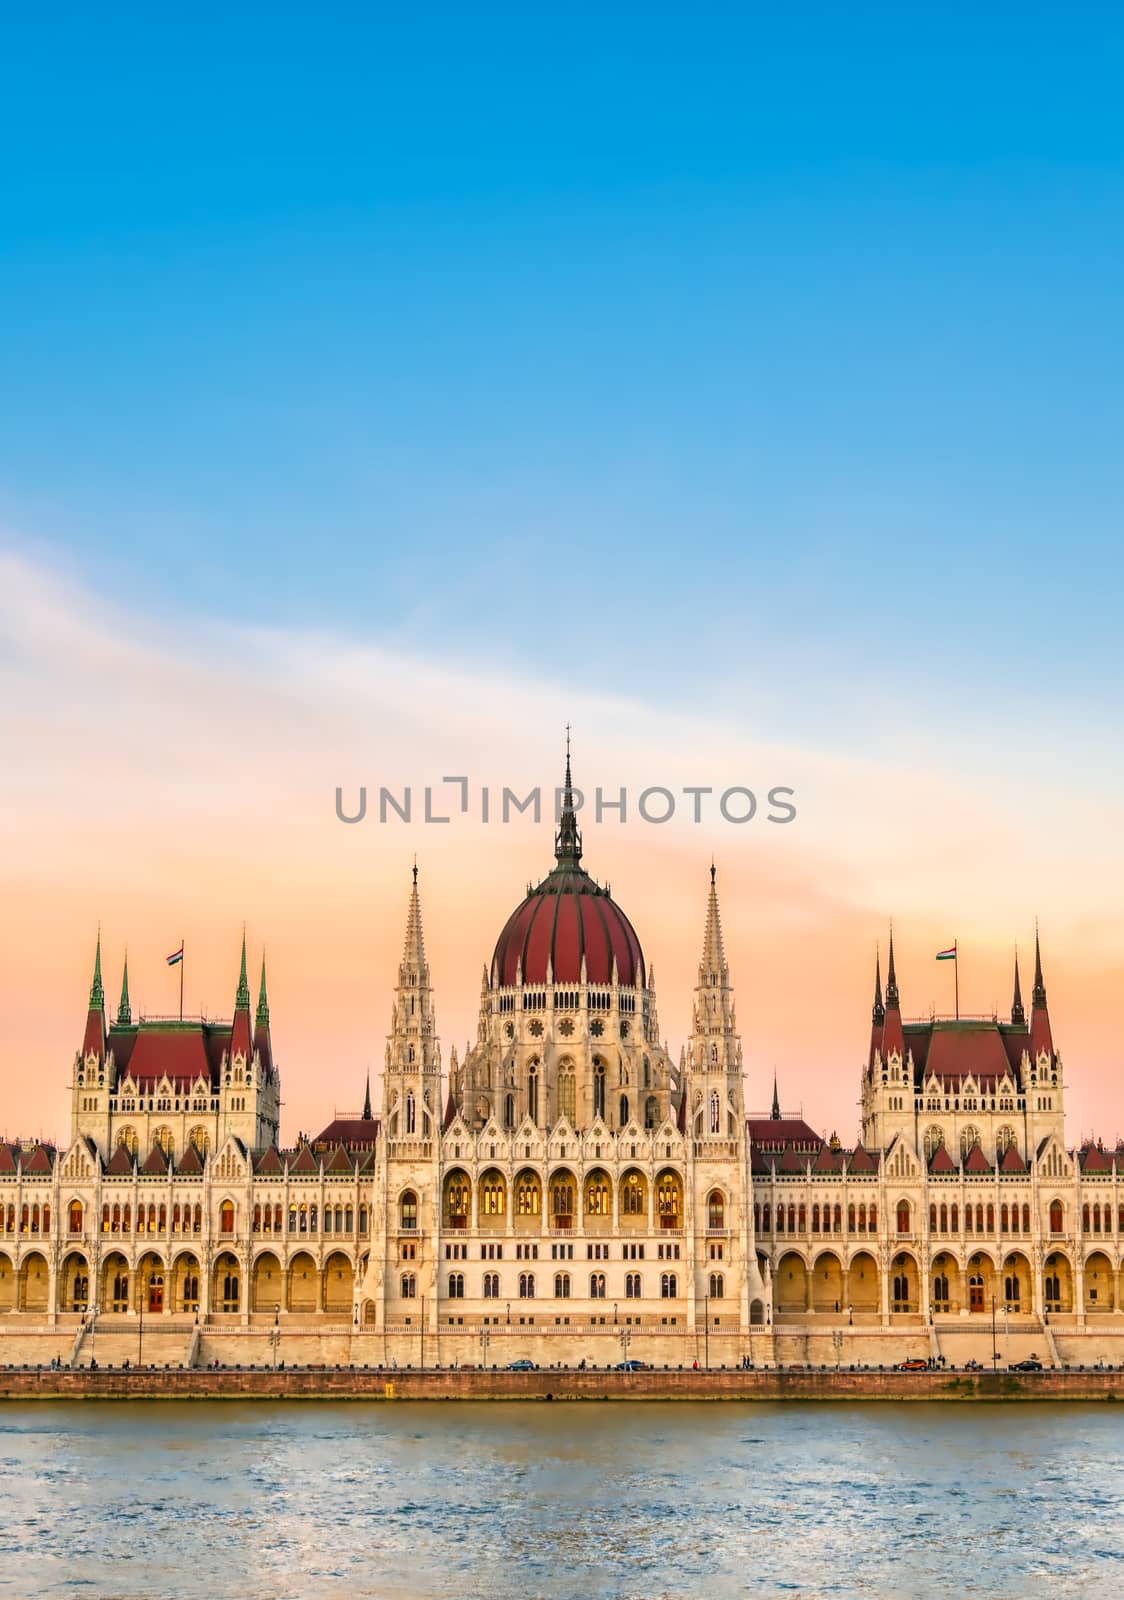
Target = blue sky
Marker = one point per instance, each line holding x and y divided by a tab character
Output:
676	350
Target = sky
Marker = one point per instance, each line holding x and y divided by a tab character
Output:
379	392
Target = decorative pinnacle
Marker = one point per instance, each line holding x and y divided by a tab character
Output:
242	998
892	1001
124	1009
1018	1015
262	1019
97	990
567	841
1039	985
878	1014
775	1114
367	1099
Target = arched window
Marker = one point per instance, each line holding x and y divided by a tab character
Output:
411	1112
533	1091
597	1199
767	1217
456	1286
526	1286
651	1113
715	1106
624	1111
668	1200
968	1137
598	1087
226	1217
934	1139
493	1195
561	1285
716	1209
597	1286
633	1200
230	1288
816	1218
164	1139
1011	1290
567	1094
940	1289
128	1138
527	1196
509	1112
1057	1217
1005	1139
74	1216
990	1218
1004	1218
409	1286
491	1286
632	1286
901	1291
669	1288
903	1216
717	1286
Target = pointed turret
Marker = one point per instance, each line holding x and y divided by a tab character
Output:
893	1037
568	840
240	1036
413	1058
367	1098
124	1009
1018	1014
1041	1036
262	1042
93	1041
714	1050
262	1017
878	1013
775	1113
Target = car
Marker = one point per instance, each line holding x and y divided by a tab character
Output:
914	1364
634	1366
1031	1364
522	1366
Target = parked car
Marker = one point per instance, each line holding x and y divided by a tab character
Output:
634	1366
1031	1364
523	1366
914	1364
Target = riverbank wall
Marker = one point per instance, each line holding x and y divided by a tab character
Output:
554	1385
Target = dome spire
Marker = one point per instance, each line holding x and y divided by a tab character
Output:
568	841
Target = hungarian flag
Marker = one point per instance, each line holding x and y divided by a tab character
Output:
174	960
942	955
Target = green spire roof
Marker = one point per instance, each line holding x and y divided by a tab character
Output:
97	989
125	1010
263	1002
242	998
367	1099
775	1114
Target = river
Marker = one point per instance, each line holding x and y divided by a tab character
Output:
413	1501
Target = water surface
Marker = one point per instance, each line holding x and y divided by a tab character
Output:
420	1501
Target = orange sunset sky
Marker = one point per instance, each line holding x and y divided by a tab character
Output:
176	779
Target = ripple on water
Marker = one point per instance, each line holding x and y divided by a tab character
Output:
634	1502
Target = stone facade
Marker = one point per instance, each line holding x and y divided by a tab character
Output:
565	1191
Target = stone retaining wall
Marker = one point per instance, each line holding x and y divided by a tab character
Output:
346	1384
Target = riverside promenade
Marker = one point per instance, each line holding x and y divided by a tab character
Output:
385	1385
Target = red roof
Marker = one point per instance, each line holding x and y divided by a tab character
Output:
353	1133
270	1164
942	1161
39	1162
862	1160
191	1162
567	917
155	1163
977	1162
1012	1161
774	1133
304	1164
1094	1159
120	1163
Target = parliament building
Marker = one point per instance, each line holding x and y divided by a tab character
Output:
566	1191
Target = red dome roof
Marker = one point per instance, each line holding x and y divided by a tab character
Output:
566	917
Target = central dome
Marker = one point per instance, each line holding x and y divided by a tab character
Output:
566	917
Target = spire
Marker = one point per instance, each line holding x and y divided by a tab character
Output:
413	955
125	1010
878	1014
712	967
1018	1015
262	1018
568	841
1039	996
892	1001
97	990
367	1099
93	1043
775	1114
242	998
